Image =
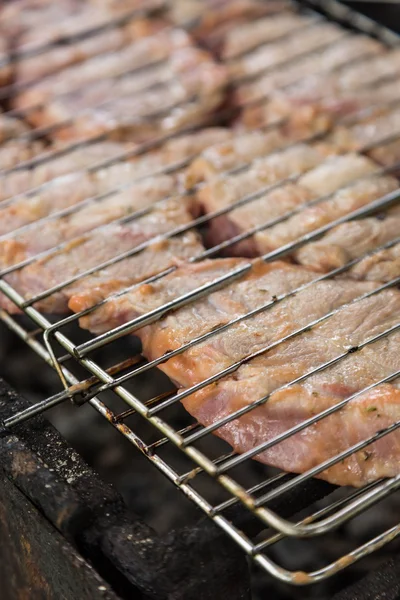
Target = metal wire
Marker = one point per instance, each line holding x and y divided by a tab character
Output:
100	380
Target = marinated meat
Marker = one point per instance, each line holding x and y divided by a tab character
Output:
264	375
317	95
186	278
245	146
349	241
34	67
371	132
387	155
144	51
63	192
119	107
343	202
73	188
245	37
381	266
91	251
331	175
68	183
263	172
212	21
276	54
12	149
228	154
43	235
33	25
339	54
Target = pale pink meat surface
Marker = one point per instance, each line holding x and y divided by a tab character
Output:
33	25
352	240
271	55
228	154
67	181
23	180
92	250
35	67
47	234
213	22
73	188
261	173
383	265
351	326
370	133
246	37
342	203
143	51
388	154
323	180
118	107
362	418
245	146
323	96
12	149
340	54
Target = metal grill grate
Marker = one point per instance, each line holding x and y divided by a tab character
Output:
260	498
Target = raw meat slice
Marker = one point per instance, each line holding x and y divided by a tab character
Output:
257	287
336	55
245	37
359	420
44	235
57	195
145	51
212	22
349	241
387	155
12	149
176	150
276	54
342	203
31	26
330	176
186	278
116	107
23	180
34	67
262	173
263	210
320	95
373	131
382	266
155	259
90	251
239	150
262	375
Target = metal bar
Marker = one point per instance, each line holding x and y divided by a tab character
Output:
318	514
220	329
140	321
32	162
170	168
232	368
119	21
358	502
208	465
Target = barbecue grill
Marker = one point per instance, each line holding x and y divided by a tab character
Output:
251	515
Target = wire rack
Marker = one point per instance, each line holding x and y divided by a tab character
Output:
86	380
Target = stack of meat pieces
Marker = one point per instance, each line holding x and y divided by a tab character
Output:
279	205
